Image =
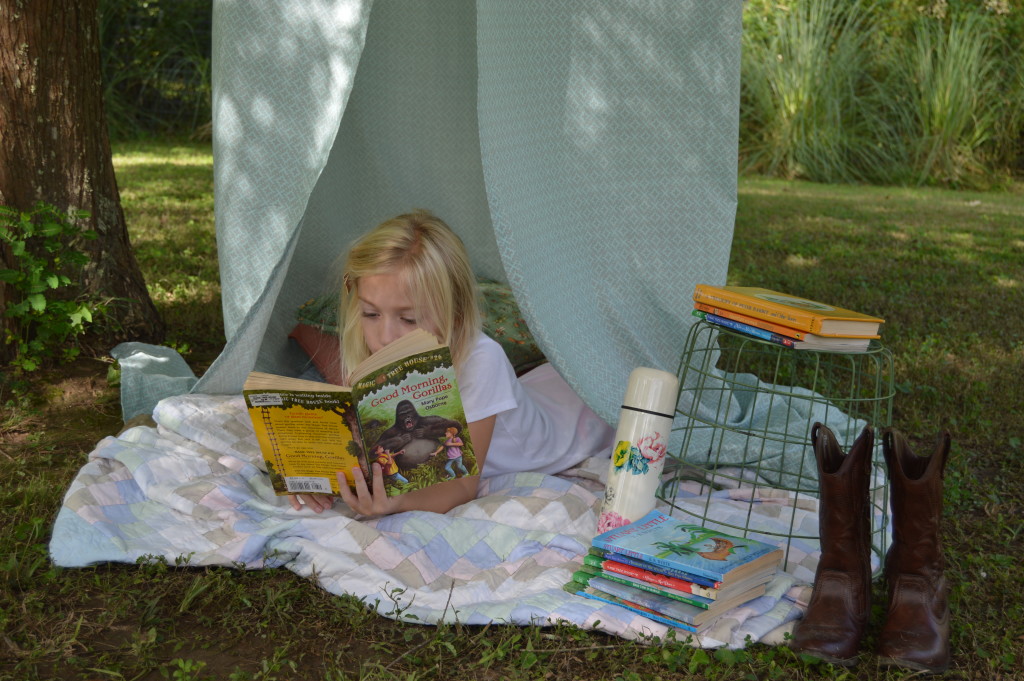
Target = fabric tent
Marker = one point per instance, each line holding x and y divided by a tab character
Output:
585	150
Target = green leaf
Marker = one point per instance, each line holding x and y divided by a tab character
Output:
698	659
37	301
52	281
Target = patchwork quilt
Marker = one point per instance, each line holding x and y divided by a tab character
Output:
192	489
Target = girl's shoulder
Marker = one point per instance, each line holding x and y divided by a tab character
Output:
487	350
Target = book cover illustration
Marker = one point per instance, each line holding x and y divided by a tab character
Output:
413	422
613	567
588	572
303	433
662	540
788	310
596	594
681	611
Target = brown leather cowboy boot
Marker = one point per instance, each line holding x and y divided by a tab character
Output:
916	631
838	612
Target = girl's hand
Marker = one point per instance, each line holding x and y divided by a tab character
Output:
363	501
317	502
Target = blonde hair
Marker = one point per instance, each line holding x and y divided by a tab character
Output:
435	266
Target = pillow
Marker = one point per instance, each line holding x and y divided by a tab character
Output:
317	330
322	349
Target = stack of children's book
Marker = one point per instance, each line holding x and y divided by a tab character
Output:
674	572
784	319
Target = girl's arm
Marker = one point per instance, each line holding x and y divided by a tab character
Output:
439	498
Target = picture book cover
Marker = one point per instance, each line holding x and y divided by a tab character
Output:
636	562
615	567
605	597
404	412
663	605
598	595
587	572
660	539
790	311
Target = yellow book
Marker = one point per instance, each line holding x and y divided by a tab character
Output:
789	311
403	411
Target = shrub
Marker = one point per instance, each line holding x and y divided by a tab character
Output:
42	315
808	94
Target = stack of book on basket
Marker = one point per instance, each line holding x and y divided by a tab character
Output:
785	319
674	572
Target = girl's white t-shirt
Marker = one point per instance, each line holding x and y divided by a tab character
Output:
542	425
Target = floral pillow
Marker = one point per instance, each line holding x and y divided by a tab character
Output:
317	330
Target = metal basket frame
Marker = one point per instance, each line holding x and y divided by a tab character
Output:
718	365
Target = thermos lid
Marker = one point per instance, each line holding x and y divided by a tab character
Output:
652	390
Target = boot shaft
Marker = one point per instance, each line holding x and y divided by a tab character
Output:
915	488
844	514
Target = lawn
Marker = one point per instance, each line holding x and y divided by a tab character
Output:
945	269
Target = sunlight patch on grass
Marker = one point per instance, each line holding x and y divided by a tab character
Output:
194	160
1006	282
797	260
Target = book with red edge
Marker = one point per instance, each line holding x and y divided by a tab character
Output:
662	602
636	562
662	540
596	594
614	569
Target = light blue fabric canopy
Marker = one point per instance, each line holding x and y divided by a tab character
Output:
585	151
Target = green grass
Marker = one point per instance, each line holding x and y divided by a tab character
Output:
167	195
946	270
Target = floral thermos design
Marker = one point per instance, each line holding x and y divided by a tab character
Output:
638	457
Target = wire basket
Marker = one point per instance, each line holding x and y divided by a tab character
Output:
742	432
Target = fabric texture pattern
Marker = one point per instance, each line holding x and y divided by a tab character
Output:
192	490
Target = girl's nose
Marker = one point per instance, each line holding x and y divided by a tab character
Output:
392	330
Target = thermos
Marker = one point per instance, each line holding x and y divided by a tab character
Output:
641	443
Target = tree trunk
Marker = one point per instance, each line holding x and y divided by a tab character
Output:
54	146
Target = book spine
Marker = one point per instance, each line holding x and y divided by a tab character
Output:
652	577
663	569
755	308
753	321
597	595
588	572
659	563
747	329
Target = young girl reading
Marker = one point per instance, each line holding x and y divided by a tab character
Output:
413	272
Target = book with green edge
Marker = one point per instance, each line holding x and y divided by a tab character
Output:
662	540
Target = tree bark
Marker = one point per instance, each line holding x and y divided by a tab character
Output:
54	146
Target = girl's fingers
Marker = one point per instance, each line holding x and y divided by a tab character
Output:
344	491
378	482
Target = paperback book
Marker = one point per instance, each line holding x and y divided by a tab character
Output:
403	411
636	562
651	601
725	603
596	594
661	540
614	569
